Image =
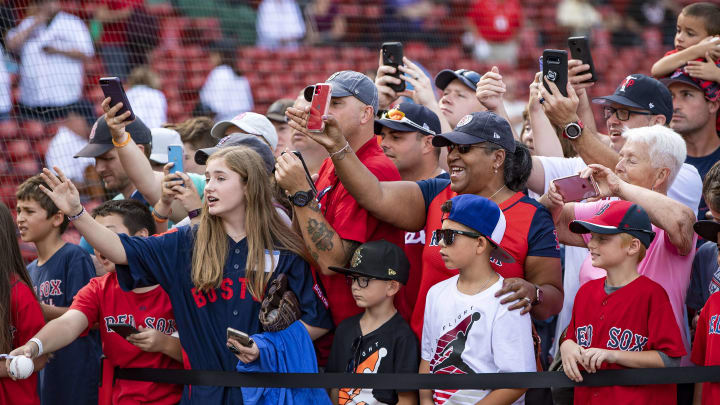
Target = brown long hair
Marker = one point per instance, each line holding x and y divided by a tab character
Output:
11	263
264	227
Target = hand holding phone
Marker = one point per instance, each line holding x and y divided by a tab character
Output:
175	155
123	329
240	337
576	188
555	69
319	107
392	55
580	50
112	87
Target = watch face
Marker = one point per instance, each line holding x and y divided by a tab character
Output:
573	131
301	199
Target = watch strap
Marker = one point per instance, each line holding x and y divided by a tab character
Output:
194	213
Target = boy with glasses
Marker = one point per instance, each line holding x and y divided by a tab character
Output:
466	329
378	340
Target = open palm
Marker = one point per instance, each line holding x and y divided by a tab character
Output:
62	191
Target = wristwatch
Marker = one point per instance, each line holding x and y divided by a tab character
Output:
538	296
302	198
194	213
573	130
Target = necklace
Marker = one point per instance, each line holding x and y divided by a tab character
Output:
495	193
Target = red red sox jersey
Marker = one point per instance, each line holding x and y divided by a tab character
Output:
706	347
104	302
637	317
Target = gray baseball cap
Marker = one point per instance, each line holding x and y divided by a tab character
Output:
350	83
239	139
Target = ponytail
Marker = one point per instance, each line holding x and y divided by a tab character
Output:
517	167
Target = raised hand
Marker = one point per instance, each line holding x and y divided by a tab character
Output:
62	191
491	89
608	182
577	78
331	138
116	123
559	109
423	93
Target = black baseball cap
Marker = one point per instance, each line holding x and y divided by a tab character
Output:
644	93
410	117
618	217
707	229
239	139
469	78
100	140
276	111
479	127
378	259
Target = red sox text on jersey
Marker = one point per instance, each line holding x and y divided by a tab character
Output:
618	339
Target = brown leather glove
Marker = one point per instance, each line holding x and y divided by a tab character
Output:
280	308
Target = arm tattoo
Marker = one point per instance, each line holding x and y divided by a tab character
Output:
349	246
314	205
321	234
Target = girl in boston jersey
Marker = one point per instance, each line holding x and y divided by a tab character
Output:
215	274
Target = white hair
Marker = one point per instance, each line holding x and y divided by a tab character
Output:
666	147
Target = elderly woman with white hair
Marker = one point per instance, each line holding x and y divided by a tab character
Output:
649	162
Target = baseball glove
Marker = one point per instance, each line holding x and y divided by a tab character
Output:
280	308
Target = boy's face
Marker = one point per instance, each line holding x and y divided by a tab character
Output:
606	251
33	222
375	292
689	31
458	100
463	251
113	222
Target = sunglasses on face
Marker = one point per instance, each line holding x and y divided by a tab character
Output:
362	282
621	114
463	149
448	235
471	75
399	116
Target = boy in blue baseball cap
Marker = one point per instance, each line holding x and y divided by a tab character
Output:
466	330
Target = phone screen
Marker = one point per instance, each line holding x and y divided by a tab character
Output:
123	329
576	188
175	155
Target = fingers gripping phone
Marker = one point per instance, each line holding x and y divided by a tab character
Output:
175	155
576	188
580	50
392	55
123	329
319	107
555	69
240	337
112	87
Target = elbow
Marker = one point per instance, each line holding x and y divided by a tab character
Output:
682	232
654	71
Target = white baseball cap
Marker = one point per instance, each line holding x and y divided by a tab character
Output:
161	139
251	123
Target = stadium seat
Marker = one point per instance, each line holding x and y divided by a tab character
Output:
9	129
32	129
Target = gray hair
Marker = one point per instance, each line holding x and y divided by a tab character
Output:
666	147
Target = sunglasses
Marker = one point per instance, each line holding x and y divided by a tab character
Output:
471	75
463	149
399	116
361	281
448	235
621	113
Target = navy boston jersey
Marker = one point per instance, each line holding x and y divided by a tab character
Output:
71	376
203	317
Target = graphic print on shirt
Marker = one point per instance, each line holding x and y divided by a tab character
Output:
450	346
48	289
363	396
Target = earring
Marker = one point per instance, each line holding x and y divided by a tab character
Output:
495	169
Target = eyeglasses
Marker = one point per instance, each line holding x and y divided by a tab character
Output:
471	75
399	116
362	282
463	149
448	235
621	114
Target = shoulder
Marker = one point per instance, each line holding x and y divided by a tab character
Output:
74	251
647	284
442	287
706	251
591	287
372	156
348	324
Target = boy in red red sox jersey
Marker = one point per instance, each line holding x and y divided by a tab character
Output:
623	320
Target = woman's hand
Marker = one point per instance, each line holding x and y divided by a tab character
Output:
179	186
62	191
609	184
534	99
171	184
522	292
116	123
571	354
148	340
247	354
593	358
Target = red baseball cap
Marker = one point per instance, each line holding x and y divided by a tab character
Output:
618	217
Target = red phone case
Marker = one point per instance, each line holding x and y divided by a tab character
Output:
576	188
319	107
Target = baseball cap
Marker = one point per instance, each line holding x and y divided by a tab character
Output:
238	139
707	229
378	259
410	117
161	139
469	77
479	127
250	122
483	216
100	140
618	217
276	112
350	83
641	92
710	89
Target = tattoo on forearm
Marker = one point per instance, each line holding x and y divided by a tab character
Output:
321	235
314	206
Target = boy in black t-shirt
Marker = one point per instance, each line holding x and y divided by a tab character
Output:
378	340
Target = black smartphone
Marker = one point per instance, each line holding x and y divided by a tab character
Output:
123	329
555	69
580	50
392	55
112	87
307	172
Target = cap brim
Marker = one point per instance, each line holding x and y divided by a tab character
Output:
446	76
218	131
624	101
456	137
707	230
277	117
394	125
159	158
93	150
202	155
687	81
587	227
501	254
343	270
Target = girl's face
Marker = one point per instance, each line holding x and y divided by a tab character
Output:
689	31
225	189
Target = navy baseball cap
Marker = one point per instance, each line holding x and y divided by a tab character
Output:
707	229
469	77
479	127
410	117
350	83
378	259
100	140
484	217
618	217
644	93
239	139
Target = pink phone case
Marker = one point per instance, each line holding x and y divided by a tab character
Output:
576	188
319	107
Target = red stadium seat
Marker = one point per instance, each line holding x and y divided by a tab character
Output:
32	129
9	129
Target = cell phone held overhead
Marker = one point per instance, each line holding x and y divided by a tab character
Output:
392	55
319	106
112	87
555	69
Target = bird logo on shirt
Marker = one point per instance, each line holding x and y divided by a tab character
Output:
359	396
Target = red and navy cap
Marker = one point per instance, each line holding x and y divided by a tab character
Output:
618	217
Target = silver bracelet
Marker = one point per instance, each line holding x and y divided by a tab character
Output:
39	345
75	217
343	149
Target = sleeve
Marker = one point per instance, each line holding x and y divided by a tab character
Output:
154	260
406	353
700	342
427	345
512	344
432	187
542	237
80	38
663	330
556	167
304	285
22	26
80	271
27	317
86	301
698	288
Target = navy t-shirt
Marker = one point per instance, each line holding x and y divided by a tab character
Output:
203	317
703	165
71	376
705	276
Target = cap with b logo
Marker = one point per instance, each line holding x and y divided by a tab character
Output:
350	83
378	259
479	127
643	93
618	217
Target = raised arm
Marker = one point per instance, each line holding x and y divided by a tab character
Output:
490	91
667	64
56	334
545	138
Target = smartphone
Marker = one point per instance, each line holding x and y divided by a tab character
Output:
319	107
241	337
392	55
555	69
580	50
123	329
307	172
112	87
576	188
175	155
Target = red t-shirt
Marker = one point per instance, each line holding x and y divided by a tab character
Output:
407	296
706	347
496	20
637	317
103	301
116	32
27	319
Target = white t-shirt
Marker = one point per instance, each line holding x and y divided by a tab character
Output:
148	104
64	145
226	93
488	338
52	80
279	23
5	96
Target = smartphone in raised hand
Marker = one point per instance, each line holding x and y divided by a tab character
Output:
580	50
112	87
175	155
576	188
555	69
319	107
392	55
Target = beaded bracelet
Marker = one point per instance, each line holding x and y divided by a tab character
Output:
124	143
72	218
344	149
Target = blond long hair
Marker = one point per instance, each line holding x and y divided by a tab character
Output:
264	227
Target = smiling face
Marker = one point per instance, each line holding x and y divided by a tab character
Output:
635	166
225	189
606	251
689	31
458	100
471	172
616	127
